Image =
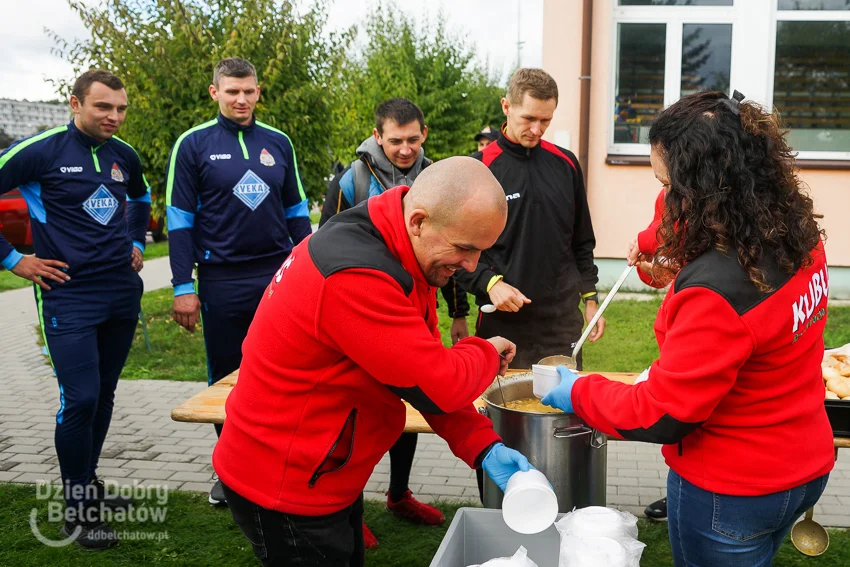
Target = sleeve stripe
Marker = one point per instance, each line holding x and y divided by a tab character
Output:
146	198
178	219
11	152
294	157
299	210
173	160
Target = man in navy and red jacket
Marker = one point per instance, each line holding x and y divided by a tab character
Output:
235	208
346	330
90	204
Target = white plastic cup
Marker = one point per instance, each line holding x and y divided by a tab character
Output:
530	505
546	379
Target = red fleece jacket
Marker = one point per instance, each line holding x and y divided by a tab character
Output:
647	240
347	327
736	396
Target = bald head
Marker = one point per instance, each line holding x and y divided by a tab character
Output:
454	210
456	188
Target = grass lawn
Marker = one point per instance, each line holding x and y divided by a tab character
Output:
199	535
628	345
156	250
9	281
175	353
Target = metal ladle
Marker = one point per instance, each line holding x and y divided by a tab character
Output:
809	537
570	361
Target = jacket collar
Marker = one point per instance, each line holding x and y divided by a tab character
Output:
382	168
513	147
232	126
84	138
387	213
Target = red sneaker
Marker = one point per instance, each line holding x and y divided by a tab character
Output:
369	539
412	510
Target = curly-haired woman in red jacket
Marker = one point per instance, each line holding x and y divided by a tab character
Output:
736	396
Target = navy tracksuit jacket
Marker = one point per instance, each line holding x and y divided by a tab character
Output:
89	205
235	207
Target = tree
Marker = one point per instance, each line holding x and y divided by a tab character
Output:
5	139
165	51
437	71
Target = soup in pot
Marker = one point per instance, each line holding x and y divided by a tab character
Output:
531	405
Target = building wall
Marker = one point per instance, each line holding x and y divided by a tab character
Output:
20	119
621	196
563	61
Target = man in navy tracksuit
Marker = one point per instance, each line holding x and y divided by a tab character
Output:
235	207
89	204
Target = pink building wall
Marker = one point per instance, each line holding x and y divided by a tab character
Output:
622	196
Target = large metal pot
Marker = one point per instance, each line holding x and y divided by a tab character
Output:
571	455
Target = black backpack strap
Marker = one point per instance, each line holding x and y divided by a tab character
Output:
362	181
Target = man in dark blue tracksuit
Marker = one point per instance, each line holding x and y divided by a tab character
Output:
89	204
235	207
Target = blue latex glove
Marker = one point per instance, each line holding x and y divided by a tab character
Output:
501	463
561	396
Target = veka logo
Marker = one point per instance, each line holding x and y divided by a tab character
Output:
71	169
214	157
514	196
251	190
101	206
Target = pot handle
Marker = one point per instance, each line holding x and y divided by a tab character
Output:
571	431
482	410
598	440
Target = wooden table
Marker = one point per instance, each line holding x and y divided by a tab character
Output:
207	406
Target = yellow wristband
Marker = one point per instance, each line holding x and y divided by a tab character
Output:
493	281
588	294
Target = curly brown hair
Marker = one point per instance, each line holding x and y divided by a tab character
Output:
732	186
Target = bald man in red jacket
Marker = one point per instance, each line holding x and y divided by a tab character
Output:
346	330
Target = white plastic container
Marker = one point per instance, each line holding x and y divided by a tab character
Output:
546	379
530	505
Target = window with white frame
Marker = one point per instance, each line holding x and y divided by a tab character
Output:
794	54
811	75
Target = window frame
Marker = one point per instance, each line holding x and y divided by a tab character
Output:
674	17
802	16
751	37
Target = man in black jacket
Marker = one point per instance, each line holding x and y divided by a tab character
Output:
542	264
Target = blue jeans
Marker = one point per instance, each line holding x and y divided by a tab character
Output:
708	529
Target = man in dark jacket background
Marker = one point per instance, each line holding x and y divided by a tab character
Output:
393	156
542	264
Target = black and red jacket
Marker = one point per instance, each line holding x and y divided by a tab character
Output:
546	249
736	395
345	331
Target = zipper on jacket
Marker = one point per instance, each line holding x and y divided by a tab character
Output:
680	448
242	143
352	418
94	158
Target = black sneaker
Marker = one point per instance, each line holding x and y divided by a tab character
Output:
110	499
217	496
92	536
657	510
